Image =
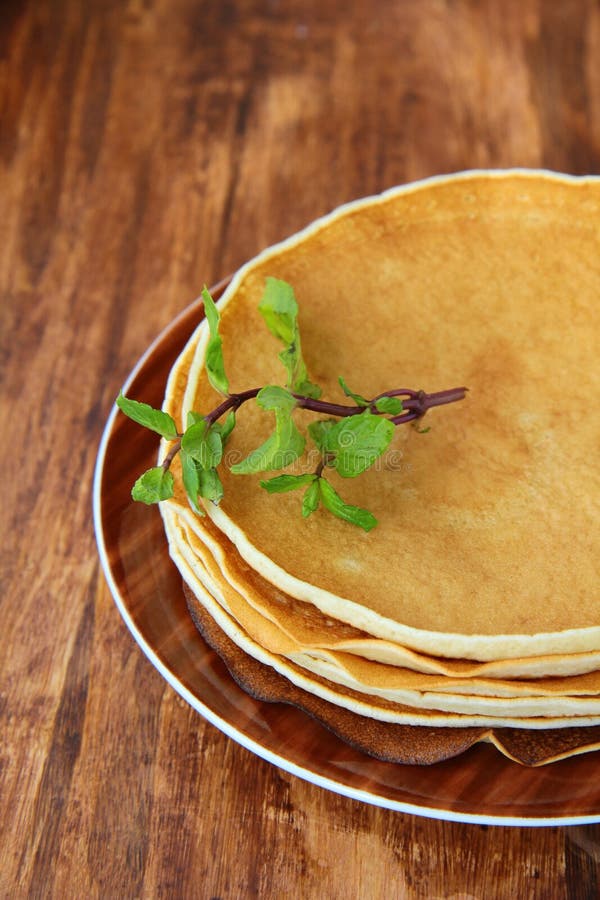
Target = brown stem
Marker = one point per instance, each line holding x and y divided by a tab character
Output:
171	454
415	405
233	401
324	461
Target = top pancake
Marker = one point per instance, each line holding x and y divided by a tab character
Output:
487	544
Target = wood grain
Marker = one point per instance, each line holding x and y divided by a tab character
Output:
148	147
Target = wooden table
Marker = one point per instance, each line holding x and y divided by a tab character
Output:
148	147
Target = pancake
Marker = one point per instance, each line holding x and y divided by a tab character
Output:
472	611
497	277
369	706
310	630
403	744
393	684
487	544
270	635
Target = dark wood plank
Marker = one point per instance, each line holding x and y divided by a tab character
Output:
147	148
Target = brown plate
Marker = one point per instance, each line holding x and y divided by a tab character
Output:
478	786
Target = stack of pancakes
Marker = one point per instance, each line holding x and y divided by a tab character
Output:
473	607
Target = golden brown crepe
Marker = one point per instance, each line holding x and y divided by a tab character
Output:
312	630
269	634
369	705
412	745
309	629
488	543
475	601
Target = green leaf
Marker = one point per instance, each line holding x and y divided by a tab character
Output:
283	483
318	431
360	401
357	441
286	443
202	444
291	358
210	485
194	417
279	309
153	486
190	470
281	449
308	389
225	428
274	397
311	499
215	365
391	406
356	515
154	419
199	482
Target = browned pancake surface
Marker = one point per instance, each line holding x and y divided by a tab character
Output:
488	524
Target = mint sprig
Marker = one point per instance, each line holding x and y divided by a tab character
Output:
350	439
319	491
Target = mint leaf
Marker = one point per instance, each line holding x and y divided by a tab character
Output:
144	414
199	482
356	515
297	379
225	428
279	309
318	431
210	486
215	365
283	483
281	449
357	441
360	401
391	406
153	486
194	417
274	397
286	443
190	470
308	389
203	444
311	499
